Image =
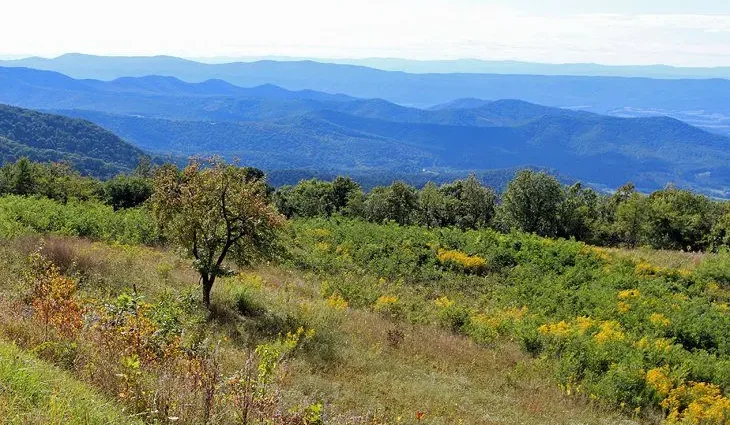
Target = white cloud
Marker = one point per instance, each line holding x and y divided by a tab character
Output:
425	29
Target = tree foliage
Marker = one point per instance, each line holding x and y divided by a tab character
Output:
57	181
531	203
215	211
470	204
127	191
397	202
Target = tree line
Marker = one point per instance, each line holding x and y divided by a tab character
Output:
533	202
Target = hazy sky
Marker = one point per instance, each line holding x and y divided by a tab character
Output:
678	32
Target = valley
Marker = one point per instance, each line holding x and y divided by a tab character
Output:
276	129
442	212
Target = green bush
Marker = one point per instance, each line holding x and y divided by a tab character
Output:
603	317
90	219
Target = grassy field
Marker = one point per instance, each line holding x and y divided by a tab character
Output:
389	369
357	323
362	366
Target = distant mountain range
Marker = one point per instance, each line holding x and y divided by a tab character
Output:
446	66
47	137
275	129
481	66
700	102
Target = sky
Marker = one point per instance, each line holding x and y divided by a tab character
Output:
617	32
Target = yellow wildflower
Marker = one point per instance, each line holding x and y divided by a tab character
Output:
658	319
662	344
583	323
609	331
515	313
471	263
697	403
629	293
443	302
684	273
322	246
560	329
623	307
336	302
645	269
659	380
385	302
487	320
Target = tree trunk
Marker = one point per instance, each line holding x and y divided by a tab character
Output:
207	286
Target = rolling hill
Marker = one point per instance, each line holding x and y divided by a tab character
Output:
700	102
276	129
47	137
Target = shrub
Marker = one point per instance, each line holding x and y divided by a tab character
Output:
90	219
610	322
54	300
247	304
461	261
388	305
482	328
697	403
452	316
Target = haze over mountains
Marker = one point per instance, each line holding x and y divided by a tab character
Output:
274	128
481	66
696	101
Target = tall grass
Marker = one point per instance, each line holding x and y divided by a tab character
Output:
613	322
35	392
365	367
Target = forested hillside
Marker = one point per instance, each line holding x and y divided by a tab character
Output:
47	137
276	129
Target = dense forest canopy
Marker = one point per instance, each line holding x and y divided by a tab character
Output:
274	129
47	137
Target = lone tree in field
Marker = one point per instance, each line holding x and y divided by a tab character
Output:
215	211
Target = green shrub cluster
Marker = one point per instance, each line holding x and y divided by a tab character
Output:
622	330
60	182
91	219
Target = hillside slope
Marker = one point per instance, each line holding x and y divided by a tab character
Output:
48	137
600	150
359	374
33	391
277	129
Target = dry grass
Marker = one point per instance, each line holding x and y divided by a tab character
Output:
103	270
662	258
351	366
446	376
